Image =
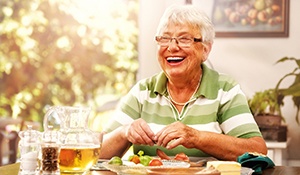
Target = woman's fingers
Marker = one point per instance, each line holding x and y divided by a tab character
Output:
140	133
175	134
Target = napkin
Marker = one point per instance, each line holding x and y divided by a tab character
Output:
258	162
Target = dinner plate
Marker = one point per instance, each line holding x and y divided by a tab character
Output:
192	170
181	171
132	168
170	167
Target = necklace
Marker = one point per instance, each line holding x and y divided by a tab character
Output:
182	104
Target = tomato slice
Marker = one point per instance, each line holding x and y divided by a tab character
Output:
182	157
155	162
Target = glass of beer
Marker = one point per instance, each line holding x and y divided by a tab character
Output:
80	146
74	160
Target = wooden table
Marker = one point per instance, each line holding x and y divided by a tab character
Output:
13	169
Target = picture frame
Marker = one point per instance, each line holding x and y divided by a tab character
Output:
251	18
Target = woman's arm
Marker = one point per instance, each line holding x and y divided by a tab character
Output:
226	147
221	146
114	144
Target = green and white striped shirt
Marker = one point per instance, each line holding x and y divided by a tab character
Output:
219	106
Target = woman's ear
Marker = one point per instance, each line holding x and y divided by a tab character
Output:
206	50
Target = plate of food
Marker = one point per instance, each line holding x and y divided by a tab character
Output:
130	167
168	167
139	164
143	164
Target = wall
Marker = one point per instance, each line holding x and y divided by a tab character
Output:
249	60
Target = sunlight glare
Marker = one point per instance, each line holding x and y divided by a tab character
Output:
91	10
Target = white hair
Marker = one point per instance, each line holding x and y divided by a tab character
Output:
188	14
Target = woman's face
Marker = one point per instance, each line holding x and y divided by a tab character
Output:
181	61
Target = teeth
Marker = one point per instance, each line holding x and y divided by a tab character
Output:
174	58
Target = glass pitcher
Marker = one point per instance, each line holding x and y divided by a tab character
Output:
80	147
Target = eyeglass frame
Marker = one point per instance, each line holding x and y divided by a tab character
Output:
177	39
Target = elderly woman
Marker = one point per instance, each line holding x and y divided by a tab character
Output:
188	107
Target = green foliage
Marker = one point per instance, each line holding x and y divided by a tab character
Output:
270	101
264	103
293	90
56	52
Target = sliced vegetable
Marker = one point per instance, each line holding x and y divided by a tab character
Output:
140	153
144	160
134	158
140	158
155	162
179	156
182	157
115	161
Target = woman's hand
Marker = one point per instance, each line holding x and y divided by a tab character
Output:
177	134
139	132
220	146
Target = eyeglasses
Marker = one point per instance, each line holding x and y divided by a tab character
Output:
181	41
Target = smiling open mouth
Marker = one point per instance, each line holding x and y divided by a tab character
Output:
174	59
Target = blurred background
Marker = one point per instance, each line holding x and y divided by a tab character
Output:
91	52
69	52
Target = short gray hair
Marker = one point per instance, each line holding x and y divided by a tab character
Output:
182	14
